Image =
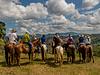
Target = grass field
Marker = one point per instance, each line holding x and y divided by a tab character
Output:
37	67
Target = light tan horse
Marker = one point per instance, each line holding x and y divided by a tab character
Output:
43	51
89	53
59	54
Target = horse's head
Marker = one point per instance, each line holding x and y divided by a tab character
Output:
36	42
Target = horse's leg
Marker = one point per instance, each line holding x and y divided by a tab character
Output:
73	56
6	56
18	59
32	55
80	55
29	56
42	52
91	56
62	58
83	56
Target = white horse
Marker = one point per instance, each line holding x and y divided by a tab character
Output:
43	51
59	54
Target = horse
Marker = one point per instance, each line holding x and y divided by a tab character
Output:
89	53
82	52
43	51
9	53
71	53
21	48
59	54
36	43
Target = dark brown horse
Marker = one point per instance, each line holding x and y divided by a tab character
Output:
70	50
9	53
82	52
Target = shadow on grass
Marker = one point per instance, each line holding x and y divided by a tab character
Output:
50	62
3	64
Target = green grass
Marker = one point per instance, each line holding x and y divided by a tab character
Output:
37	67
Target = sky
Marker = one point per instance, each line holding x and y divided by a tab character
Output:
51	16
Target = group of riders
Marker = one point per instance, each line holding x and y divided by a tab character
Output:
57	40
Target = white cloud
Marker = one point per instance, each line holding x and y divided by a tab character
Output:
90	3
60	7
9	9
39	19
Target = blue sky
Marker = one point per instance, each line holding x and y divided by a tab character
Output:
78	3
59	15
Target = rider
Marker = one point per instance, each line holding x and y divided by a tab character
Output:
70	40
43	39
81	40
12	37
88	40
26	40
57	40
34	37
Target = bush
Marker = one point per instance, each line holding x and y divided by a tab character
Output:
2	43
96	50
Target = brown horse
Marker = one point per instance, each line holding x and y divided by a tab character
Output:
9	53
22	48
34	46
82	52
89	53
71	53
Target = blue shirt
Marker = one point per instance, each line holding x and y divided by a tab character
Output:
43	40
81	39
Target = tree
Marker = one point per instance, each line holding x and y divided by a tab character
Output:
2	30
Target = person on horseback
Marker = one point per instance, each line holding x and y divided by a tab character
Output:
81	40
34	37
43	39
57	40
70	49
70	40
12	37
26	40
88	40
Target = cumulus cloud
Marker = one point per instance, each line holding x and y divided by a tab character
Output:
60	7
55	24
54	17
88	4
88	22
9	9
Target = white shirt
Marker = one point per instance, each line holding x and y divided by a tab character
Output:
12	37
88	40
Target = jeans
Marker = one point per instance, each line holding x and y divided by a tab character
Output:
29	44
